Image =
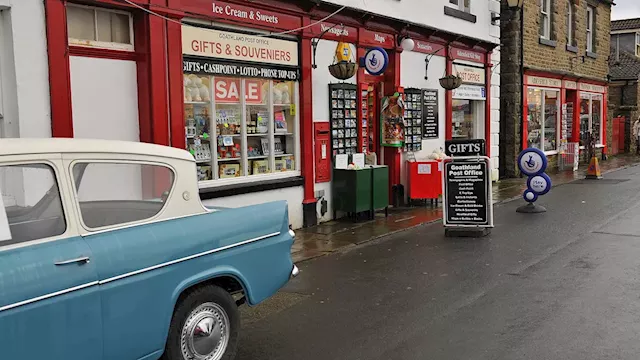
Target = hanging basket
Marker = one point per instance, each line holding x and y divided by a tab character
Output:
450	82
343	70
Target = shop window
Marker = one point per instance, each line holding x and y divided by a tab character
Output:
590	29
102	28
113	194
542	119
468	119
239	137
590	118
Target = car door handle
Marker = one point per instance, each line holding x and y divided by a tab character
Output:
81	261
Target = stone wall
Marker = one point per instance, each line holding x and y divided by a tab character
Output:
554	56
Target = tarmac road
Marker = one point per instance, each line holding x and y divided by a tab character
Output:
560	285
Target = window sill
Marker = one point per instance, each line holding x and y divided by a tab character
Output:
449	11
573	49
261	183
592	55
547	42
551	152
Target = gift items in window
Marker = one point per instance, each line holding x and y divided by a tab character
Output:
284	120
197	123
344	118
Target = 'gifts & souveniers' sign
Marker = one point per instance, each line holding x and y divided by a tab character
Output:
239	47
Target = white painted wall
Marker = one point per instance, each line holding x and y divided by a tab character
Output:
24	73
104	99
294	197
494	33
431	13
24	88
104	102
321	78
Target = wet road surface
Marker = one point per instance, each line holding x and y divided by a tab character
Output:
560	285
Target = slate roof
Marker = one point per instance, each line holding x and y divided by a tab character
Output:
627	67
626	24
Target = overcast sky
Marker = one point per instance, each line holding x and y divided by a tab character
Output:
626	9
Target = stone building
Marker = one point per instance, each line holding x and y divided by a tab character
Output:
624	71
557	95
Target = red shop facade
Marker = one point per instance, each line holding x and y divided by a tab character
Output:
183	90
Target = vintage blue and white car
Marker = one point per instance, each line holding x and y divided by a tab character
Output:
107	253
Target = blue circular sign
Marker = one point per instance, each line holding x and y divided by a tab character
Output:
376	60
530	196
532	162
539	184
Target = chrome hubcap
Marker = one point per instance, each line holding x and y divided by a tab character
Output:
205	334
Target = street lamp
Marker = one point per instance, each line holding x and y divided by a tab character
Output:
512	4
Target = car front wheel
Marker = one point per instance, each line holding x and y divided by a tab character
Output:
205	326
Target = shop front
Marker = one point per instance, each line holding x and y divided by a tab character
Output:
562	114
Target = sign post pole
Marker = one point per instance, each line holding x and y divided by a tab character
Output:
467	196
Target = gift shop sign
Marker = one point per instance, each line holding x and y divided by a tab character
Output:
429	48
468	55
239	13
471	75
374	38
238	47
541	81
335	32
470	92
227	90
232	69
592	88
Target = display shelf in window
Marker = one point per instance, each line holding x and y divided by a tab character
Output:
197	117
413	120
344	118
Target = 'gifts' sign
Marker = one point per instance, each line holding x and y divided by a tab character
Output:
227	90
239	47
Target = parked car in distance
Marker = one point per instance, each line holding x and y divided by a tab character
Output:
107	253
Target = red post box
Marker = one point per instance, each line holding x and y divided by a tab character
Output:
322	139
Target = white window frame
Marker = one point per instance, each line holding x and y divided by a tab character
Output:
246	178
545	11
459	4
638	44
570	23
590	28
544	119
104	44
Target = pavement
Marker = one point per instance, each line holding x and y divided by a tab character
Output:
563	284
341	234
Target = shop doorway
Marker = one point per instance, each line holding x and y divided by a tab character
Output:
369	93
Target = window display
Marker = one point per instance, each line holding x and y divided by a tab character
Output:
542	119
344	118
590	118
253	135
467	119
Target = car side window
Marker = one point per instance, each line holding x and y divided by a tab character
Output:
111	194
32	204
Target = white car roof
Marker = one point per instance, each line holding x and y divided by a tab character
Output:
25	146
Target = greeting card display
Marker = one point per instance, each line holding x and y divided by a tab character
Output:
344	118
413	120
